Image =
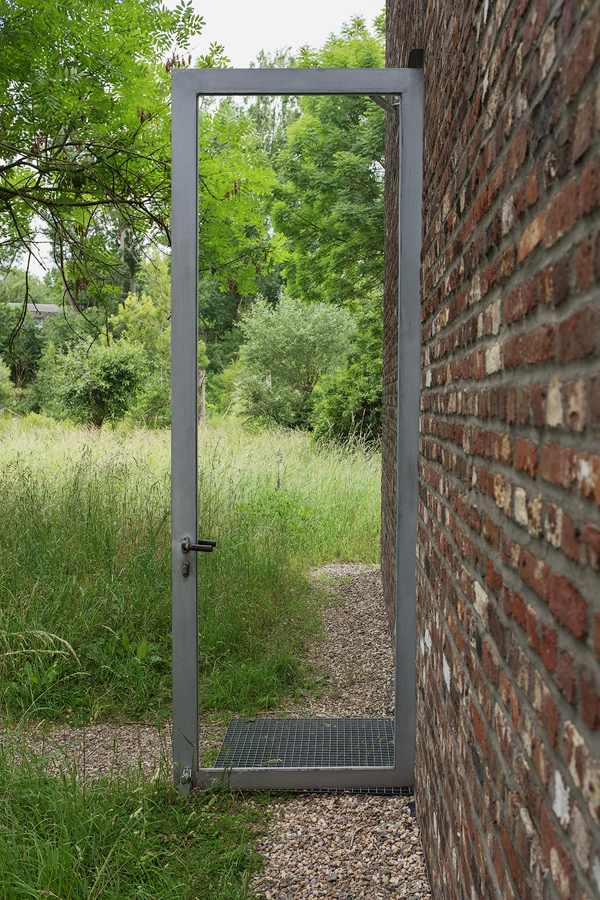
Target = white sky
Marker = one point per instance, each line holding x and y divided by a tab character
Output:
245	27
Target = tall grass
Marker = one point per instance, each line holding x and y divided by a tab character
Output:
85	574
119	838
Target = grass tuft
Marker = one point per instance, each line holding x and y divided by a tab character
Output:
120	838
85	614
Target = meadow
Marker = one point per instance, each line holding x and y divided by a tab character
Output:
85	634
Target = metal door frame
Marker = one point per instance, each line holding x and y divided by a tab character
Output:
187	86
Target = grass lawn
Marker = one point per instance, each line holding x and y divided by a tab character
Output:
85	633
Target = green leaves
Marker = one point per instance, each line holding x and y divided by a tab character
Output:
329	202
286	351
84	126
101	382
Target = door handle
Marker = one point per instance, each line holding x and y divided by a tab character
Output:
201	547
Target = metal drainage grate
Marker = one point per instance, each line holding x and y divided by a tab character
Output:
307	743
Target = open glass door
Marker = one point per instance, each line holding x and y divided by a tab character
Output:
311	753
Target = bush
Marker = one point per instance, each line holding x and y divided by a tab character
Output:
287	350
101	382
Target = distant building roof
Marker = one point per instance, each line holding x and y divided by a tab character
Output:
38	310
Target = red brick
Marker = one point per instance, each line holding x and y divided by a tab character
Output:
478	364
539	345
505	263
538	405
557	465
575	392
594	401
512	858
591	542
519	609
562	213
549	647
590	187
568	606
589	702
531	628
533	572
570	541
577	335
565	675
497	180
583	56
526	457
583	264
589	476
514	353
532	192
532	236
584	128
561	870
517	152
502	448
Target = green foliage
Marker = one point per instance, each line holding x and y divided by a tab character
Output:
118	838
329	199
85	121
85	621
235	245
348	402
142	320
287	350
7	391
271	116
100	382
43	393
21	345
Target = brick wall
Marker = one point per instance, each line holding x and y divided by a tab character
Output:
508	677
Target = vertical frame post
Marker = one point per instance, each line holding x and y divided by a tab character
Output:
410	137
184	427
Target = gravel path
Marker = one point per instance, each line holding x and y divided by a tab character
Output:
347	846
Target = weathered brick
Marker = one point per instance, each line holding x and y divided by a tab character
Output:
583	264
590	187
568	606
565	675
539	345
549	645
584	128
533	572
532	236
575	408
557	464
577	335
562	213
526	457
591	542
589	702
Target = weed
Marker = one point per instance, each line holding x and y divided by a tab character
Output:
120	838
85	615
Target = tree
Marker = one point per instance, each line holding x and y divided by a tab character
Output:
287	350
21	343
348	400
329	200
7	391
85	125
100	383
